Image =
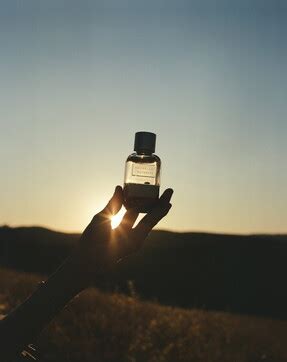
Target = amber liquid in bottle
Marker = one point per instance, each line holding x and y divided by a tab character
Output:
142	174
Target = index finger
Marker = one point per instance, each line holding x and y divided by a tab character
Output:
160	210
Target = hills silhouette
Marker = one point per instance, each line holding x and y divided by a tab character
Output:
235	273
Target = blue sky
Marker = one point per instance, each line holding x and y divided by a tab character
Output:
79	78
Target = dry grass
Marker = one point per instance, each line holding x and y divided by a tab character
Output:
111	327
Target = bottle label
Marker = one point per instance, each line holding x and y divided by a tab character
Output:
144	170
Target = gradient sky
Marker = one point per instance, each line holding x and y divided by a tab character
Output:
79	78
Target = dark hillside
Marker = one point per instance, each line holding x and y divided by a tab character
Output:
33	249
244	274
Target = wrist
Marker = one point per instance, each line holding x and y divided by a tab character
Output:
84	268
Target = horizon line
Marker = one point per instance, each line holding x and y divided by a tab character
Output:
158	229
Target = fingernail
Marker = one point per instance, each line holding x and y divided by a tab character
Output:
118	187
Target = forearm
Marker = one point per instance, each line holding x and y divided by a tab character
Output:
24	323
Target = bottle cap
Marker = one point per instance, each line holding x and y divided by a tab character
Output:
145	141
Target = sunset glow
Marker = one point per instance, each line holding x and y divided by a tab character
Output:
81	78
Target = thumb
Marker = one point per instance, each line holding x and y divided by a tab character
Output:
115	203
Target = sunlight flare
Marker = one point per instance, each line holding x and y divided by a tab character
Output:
116	219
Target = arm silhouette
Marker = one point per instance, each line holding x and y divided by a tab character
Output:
97	250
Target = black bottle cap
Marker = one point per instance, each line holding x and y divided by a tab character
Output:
145	141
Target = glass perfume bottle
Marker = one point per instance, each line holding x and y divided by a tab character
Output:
142	174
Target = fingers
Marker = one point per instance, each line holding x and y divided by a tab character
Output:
157	213
113	207
115	203
154	216
129	219
166	196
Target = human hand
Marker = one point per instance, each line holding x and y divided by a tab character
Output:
100	246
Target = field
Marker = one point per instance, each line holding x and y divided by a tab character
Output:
183	297
98	326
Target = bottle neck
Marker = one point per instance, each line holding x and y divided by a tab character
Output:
144	152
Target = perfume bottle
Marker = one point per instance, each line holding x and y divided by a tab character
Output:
142	174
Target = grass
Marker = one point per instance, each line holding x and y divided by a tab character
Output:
97	326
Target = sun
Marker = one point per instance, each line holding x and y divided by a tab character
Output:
116	219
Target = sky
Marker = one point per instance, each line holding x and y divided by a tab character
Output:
79	78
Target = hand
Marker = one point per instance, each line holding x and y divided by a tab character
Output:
97	250
100	246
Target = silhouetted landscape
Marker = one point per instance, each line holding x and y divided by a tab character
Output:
193	297
233	273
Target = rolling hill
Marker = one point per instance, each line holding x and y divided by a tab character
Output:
235	273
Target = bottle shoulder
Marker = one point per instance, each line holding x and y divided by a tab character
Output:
135	157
